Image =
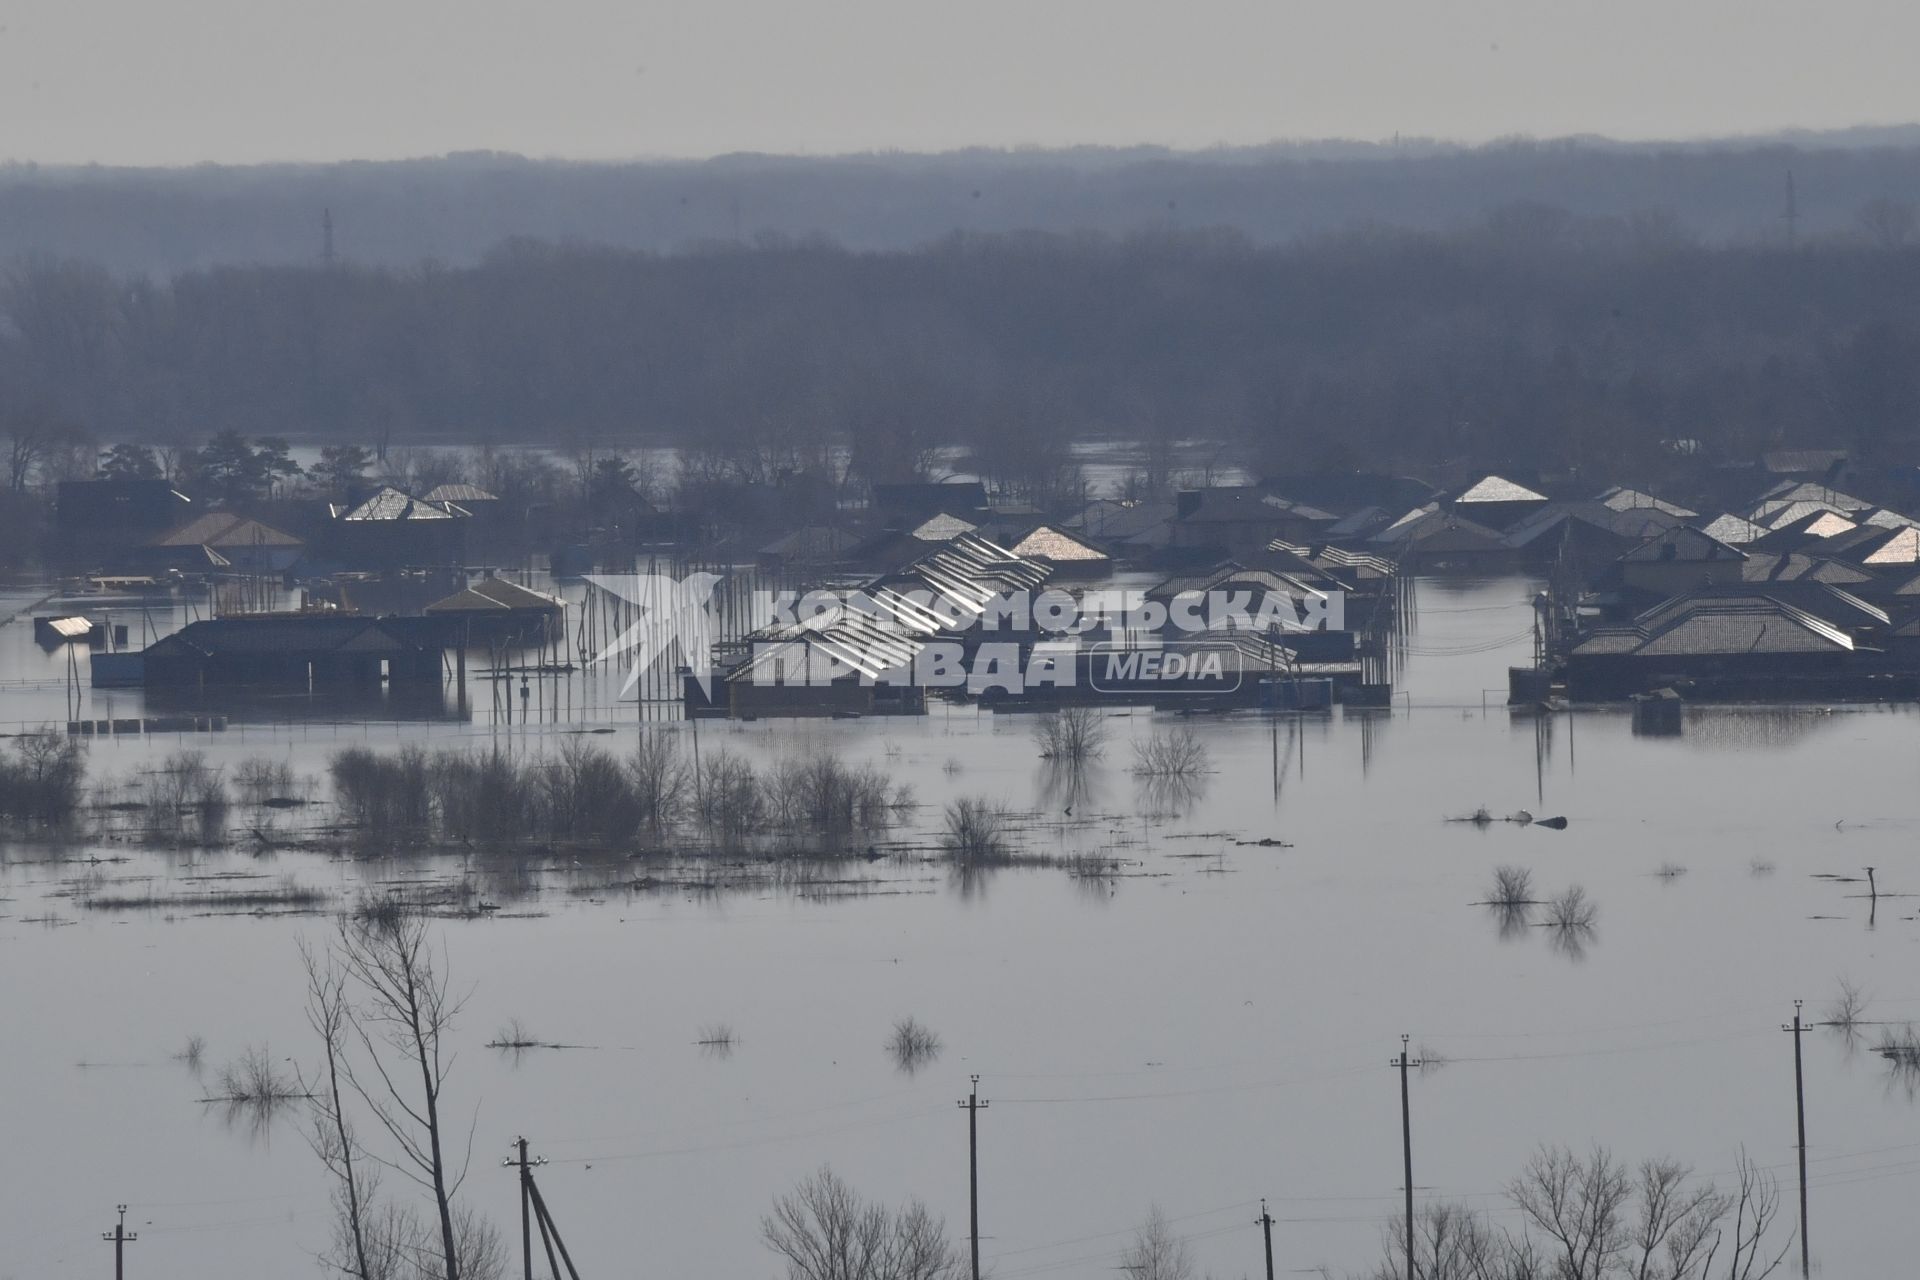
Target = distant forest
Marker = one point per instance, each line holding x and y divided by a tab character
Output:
1535	334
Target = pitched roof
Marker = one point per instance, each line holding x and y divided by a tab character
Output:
496	595
1498	489
289	633
1731	529
1631	523
1682	544
1622	499
227	529
942	528
1049	543
391	504
1719	625
459	493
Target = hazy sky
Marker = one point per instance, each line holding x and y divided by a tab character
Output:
180	81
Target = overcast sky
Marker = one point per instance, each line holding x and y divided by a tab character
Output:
181	81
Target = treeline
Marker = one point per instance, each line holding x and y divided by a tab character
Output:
1534	339
455	208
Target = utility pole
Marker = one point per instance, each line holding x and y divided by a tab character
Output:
1800	1112
974	1106
1406	1142
1792	215
1266	1226
526	1168
326	237
120	1238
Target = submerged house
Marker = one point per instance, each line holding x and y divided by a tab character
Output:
496	611
1725	646
224	541
391	530
295	652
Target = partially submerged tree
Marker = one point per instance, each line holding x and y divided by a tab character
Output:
379	1001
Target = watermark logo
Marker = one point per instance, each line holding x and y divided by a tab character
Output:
1115	640
666	611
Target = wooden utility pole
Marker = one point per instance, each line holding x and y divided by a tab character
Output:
1406	1143
1266	1227
121	1238
1800	1115
974	1105
526	1168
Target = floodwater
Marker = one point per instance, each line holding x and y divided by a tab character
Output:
1209	1027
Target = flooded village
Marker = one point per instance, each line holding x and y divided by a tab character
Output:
1157	820
1083	641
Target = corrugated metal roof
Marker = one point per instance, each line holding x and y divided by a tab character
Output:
459	493
69	628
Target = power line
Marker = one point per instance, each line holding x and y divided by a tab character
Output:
973	1104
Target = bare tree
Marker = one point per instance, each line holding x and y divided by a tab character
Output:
1157	1251
825	1231
1072	734
1754	1206
329	1013
400	1023
1580	1205
1676	1227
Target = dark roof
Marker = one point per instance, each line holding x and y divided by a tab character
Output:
1802	461
1631	524
225	530
923	500
812	544
286	633
1242	504
1683	545
496	595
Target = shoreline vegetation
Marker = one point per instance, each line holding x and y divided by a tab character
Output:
580	819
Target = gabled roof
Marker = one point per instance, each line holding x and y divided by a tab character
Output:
496	595
1622	499
1424	524
283	634
1497	489
1892	547
225	529
1731	529
1765	566
1114	522
942	528
1049	543
1683	544
1776	513
1788	492
1719	625
1632	523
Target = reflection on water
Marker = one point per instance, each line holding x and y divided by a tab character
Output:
1154	986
